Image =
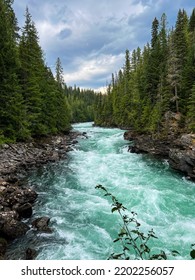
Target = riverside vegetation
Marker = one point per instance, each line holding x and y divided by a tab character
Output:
134	242
158	79
33	101
153	95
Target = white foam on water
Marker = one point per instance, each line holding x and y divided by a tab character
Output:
81	215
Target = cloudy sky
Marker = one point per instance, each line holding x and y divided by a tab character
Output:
91	36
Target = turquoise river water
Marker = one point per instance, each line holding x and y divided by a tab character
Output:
84	226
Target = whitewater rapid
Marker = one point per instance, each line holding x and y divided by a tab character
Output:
84	226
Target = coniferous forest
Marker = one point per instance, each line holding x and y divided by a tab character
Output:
33	101
155	81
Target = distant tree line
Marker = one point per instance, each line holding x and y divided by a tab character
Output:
33	102
82	103
155	80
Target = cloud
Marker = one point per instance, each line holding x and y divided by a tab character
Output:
65	33
91	37
94	70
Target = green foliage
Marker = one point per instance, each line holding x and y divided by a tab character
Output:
192	252
135	244
12	110
153	81
33	102
191	111
82	104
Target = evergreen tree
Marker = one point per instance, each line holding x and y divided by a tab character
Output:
153	66
192	21
32	65
174	73
63	110
59	74
181	45
191	110
12	111
156	80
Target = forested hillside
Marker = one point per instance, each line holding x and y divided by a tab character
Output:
155	81
82	103
33	100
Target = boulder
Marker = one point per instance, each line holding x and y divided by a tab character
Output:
22	196
9	215
24	210
3	246
183	160
14	229
41	224
30	254
130	135
146	144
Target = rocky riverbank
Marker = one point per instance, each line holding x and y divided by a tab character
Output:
179	150
16	198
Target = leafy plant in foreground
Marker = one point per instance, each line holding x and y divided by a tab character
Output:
192	253
133	241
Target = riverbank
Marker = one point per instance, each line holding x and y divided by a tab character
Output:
178	150
17	198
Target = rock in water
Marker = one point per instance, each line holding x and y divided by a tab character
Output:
30	254
24	210
41	224
14	229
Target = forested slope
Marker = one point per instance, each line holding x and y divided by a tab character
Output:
34	101
156	82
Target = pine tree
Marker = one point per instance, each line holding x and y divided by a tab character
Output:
192	21
174	72
31	72
153	67
191	110
12	111
181	43
63	110
156	80
59	74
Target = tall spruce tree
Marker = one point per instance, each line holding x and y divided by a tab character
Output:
181	45
32	65
192	21
63	110
153	67
12	111
191	110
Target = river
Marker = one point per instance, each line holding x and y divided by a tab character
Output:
84	226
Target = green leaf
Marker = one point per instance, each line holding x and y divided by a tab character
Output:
122	232
126	248
115	240
101	187
107	194
192	254
152	235
116	257
114	209
135	231
175	253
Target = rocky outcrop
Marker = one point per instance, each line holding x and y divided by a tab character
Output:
13	228
182	158
3	248
30	254
179	150
17	159
16	199
42	224
148	144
